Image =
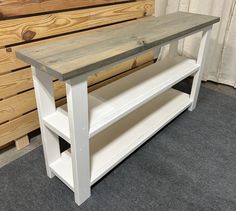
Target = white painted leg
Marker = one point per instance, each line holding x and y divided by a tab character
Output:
77	102
173	51
201	61
156	53
44	94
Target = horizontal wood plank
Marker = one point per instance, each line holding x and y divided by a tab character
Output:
21	126
21	80
9	62
18	127
10	8
36	27
15	82
68	58
22	103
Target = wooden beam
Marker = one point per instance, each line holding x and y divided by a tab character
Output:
10	8
36	27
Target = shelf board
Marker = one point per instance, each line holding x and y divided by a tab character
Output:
115	143
110	103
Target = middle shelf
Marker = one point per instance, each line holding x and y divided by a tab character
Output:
110	103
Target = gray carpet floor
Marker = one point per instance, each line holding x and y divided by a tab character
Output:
189	165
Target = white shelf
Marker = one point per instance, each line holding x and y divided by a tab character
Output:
115	143
113	101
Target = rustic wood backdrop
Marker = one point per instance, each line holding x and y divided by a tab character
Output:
28	22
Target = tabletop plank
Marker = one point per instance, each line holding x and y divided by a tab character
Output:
68	58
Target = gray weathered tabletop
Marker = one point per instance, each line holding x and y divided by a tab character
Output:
86	52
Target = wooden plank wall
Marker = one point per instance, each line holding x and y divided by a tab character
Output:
25	23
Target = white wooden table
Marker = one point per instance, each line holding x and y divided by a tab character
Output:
106	125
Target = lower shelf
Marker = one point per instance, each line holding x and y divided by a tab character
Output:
115	143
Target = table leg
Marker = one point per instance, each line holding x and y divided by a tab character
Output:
77	102
43	86
173	51
201	61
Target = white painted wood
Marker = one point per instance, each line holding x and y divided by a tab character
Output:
173	51
156	52
77	103
201	60
160	7
43	87
114	144
110	103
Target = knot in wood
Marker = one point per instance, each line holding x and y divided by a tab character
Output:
141	40
28	35
8	50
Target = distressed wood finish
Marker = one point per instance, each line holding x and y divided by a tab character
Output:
31	28
68	58
9	8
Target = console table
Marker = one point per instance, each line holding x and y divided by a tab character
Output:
105	126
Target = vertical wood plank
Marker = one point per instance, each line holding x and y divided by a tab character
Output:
77	102
43	87
201	60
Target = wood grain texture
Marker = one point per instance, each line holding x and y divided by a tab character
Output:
68	58
22	125
14	85
21	80
9	62
31	28
18	127
15	82
24	102
9	8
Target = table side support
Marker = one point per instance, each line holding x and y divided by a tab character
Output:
201	60
43	86
77	102
173	50
156	53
